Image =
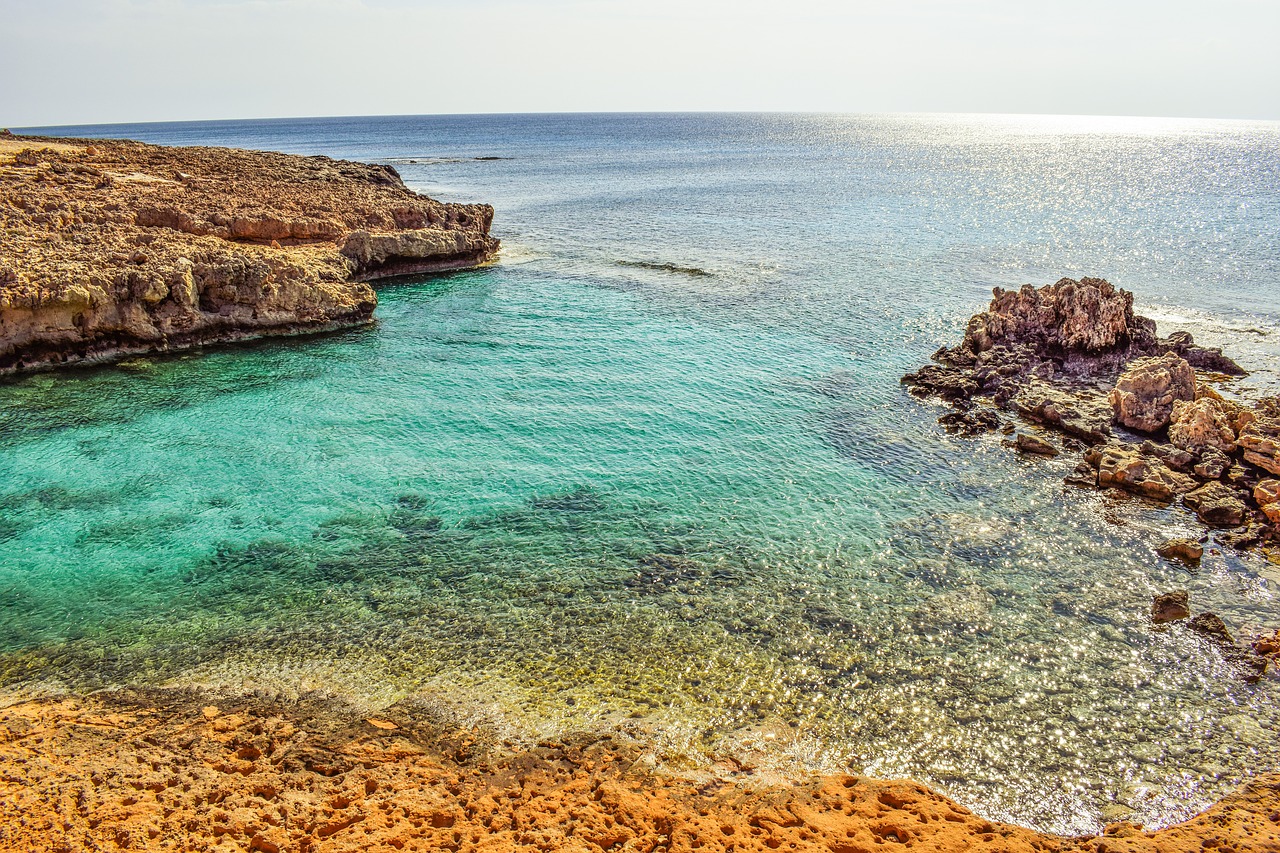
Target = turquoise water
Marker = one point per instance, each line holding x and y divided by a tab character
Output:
654	472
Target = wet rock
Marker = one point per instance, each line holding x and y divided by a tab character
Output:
1213	464
1145	393
1210	626
1084	475
1125	467
1030	444
1079	415
970	422
1199	425
1267	494
1170	606
1244	537
1268	645
1188	551
1260	443
1217	505
949	383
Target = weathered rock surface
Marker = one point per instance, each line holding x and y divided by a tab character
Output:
1036	446
1170	606
1125	466
1260	443
1267	494
1199	425
1188	551
1087	316
110	247
1217	505
157	772
1073	357
1145	393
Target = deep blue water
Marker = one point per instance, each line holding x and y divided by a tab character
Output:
654	471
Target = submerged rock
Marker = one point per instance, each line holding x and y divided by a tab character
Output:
1145	393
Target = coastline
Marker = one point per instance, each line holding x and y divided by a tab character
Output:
187	770
114	248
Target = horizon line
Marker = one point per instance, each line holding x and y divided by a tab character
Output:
903	113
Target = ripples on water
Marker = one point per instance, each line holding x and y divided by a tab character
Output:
655	470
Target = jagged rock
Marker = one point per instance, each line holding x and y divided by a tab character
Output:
1170	606
1260	443
1188	551
971	422
949	383
1217	505
1201	424
1179	460
1089	316
1211	625
142	248
1030	444
1125	467
1246	536
1145	393
1201	358
1213	464
1084	475
1267	494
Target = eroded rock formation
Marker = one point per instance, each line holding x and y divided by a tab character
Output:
110	247
1073	357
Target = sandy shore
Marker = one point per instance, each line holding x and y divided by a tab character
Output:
179	770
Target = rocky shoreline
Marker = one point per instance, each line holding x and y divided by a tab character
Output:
184	770
113	248
1074	362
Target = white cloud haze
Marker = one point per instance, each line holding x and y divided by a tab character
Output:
74	61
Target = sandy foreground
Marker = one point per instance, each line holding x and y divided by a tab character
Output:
179	770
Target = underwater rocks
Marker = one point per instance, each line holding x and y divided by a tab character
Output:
184	770
1073	357
1248	660
111	248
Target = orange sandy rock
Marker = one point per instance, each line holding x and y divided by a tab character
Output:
153	772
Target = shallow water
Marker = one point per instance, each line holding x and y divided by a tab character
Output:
655	471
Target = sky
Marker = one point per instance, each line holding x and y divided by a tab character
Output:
102	61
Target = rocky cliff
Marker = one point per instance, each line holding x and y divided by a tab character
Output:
111	247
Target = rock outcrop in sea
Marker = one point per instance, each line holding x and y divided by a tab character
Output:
112	248
1075	359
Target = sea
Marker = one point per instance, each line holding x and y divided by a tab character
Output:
652	473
